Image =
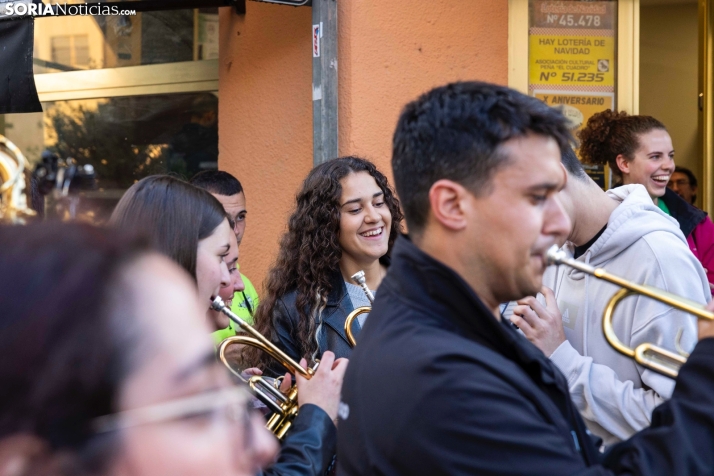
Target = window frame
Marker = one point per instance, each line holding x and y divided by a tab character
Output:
182	77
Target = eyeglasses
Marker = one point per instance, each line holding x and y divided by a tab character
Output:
678	183
232	404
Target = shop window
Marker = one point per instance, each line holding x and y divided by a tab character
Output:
132	96
98	41
70	51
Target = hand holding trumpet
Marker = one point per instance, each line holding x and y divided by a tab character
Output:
542	325
322	390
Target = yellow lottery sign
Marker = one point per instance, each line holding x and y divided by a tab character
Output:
572	60
577	107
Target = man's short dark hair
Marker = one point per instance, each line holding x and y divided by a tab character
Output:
455	132
690	175
218	182
572	163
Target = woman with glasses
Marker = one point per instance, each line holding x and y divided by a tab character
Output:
639	150
105	368
683	182
189	226
345	220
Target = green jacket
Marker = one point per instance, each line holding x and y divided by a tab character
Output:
244	306
245	302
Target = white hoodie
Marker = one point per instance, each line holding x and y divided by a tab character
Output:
642	244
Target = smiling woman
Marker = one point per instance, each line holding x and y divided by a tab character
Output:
639	150
186	223
346	220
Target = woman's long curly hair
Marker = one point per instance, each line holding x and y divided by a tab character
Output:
608	134
310	251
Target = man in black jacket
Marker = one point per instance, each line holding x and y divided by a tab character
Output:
438	384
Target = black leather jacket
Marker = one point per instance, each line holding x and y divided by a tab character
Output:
309	447
332	337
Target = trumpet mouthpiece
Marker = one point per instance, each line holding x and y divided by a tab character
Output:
358	277
217	304
554	255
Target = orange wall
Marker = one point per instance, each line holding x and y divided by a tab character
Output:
265	119
392	51
389	53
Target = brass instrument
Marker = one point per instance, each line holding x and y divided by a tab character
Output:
284	406
648	355
358	277
13	202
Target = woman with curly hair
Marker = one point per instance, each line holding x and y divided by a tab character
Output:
639	150
346	220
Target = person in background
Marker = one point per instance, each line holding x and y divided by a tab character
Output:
639	149
221	322
189	225
106	365
230	193
683	182
345	220
620	230
195	146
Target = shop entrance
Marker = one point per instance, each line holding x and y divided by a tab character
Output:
669	76
649	57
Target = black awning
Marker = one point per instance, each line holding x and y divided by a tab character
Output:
17	91
60	8
17	83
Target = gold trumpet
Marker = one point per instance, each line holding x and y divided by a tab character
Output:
358	277
283	406
648	355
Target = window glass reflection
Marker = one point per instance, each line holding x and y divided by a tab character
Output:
72	43
123	138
